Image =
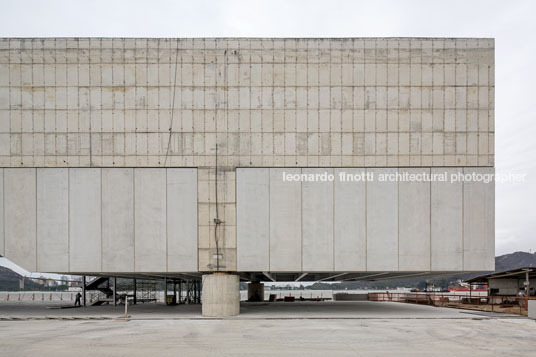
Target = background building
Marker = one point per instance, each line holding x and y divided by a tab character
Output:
166	156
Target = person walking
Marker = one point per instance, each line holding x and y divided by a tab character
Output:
77	300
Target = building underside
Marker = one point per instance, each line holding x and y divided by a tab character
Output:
278	277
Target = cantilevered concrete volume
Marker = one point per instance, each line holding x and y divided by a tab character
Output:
165	157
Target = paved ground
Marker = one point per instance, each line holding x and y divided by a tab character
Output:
300	328
278	310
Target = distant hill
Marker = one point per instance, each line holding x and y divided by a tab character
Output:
514	261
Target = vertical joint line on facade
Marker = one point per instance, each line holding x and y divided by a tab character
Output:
35	233
134	214
301	221
376	156
366	220
197	217
398	221
101	245
463	222
269	218
4	210
68	219
89	105
167	217
430	220
333	217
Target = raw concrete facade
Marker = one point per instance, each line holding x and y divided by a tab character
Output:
363	226
128	149
101	220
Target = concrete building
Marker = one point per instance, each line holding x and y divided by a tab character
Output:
509	283
167	157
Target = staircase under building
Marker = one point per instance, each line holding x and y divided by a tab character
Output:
102	284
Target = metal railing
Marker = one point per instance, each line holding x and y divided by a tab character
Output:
482	301
38	296
22	296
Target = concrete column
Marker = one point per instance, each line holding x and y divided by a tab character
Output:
255	291
531	309
84	289
135	292
221	295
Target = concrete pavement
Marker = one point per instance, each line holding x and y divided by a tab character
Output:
275	329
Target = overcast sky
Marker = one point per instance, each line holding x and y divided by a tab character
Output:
511	23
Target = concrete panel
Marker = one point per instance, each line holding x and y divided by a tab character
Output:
414	222
263	138
350	241
53	220
446	222
382	222
150	220
20	217
479	222
317	224
285	222
2	240
253	219
182	220
117	220
85	241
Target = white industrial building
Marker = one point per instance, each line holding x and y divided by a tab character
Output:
168	157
